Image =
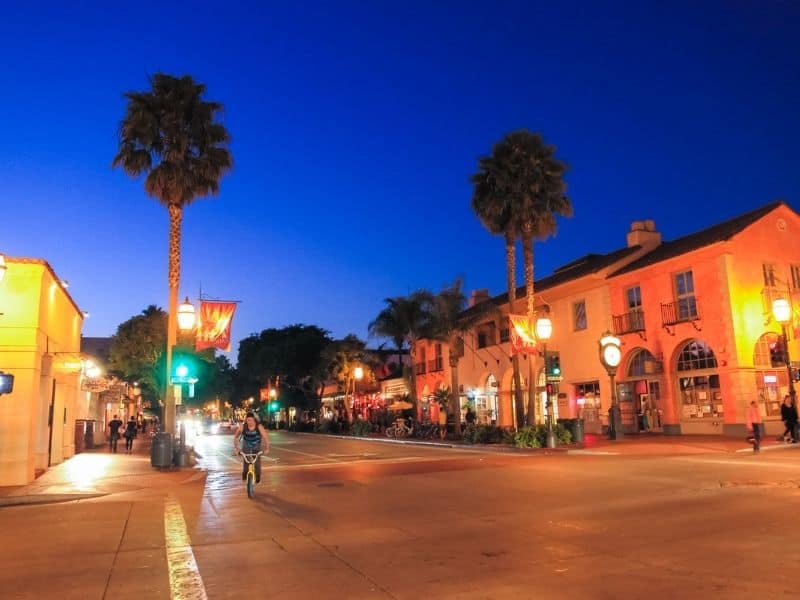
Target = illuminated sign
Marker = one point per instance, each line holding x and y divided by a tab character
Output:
770	379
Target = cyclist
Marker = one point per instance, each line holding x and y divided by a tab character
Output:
253	438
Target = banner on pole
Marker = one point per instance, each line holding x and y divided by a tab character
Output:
214	330
522	335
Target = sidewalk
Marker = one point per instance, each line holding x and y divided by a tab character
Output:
98	472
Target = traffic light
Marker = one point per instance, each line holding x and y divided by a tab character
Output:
777	353
553	365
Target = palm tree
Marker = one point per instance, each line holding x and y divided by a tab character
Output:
406	319
491	202
172	136
448	324
538	192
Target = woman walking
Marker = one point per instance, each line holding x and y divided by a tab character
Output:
130	433
754	425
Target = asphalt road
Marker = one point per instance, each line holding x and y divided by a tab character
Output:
339	518
351	519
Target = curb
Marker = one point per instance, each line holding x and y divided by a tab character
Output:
38	499
475	448
772	447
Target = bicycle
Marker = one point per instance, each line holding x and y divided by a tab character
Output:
399	430
251	459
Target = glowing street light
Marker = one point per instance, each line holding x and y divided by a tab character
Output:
186	316
544	329
782	311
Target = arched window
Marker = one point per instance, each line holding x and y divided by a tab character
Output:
695	356
642	363
761	358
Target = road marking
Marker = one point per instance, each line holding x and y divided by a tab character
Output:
309	454
185	582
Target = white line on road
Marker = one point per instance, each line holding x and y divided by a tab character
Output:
309	454
185	582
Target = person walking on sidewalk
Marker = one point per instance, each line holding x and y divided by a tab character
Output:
789	418
130	433
754	425
113	425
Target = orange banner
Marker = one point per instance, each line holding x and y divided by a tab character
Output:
522	336
214	330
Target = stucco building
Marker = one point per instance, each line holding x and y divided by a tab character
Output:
694	315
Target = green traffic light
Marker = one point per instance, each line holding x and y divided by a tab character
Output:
274	406
181	370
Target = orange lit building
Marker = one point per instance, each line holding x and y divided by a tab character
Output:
40	331
694	315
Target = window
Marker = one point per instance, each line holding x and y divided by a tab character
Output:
642	363
504	334
795	277
684	292
438	363
579	315
769	274
696	355
482	339
486	335
634	298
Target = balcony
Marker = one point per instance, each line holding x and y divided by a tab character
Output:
435	365
683	310
419	368
629	322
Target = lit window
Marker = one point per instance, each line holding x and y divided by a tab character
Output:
684	292
579	315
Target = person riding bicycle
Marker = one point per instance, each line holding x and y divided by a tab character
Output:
253	438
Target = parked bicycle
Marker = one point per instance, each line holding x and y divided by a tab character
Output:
426	431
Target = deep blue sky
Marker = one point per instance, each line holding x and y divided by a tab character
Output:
356	126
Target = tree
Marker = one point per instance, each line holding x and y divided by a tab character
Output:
343	356
449	321
137	348
172	136
538	192
492	203
407	318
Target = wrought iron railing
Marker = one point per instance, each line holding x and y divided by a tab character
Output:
629	322
435	364
419	368
682	310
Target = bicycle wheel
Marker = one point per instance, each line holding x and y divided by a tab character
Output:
251	484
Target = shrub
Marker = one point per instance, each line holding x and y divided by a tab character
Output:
324	426
361	428
536	436
483	434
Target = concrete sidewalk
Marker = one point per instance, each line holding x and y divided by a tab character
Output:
98	472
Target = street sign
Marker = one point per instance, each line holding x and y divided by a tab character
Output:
176	379
555	378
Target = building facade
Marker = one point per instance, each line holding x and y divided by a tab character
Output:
40	331
694	316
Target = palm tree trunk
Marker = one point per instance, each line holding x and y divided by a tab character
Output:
173	278
511	265
527	253
455	409
413	391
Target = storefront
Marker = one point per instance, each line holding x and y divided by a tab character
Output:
700	403
771	382
590	409
483	401
640	393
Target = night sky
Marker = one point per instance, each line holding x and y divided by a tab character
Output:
357	125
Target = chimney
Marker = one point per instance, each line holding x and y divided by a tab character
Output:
478	296
644	234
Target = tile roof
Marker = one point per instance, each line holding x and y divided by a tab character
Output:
716	233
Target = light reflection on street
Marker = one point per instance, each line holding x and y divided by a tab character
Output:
84	470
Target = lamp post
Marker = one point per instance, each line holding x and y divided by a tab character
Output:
544	329
610	357
273	393
3	266
358	374
782	311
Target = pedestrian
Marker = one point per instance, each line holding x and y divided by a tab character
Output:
130	433
113	426
470	416
789	418
442	422
754	426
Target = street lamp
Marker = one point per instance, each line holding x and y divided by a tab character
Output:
610	357
186	316
782	311
358	374
544	329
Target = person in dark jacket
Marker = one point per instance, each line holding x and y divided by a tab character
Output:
789	418
113	427
130	433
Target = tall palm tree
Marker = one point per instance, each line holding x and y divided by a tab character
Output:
539	196
492	203
409	318
172	136
449	322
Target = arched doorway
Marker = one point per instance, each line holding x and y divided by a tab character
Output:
640	392
486	401
699	394
772	382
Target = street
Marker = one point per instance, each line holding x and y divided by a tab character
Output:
337	518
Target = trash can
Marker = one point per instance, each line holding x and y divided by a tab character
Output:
88	437
577	430
80	435
161	451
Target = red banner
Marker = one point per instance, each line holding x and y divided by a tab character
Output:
214	330
522	335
